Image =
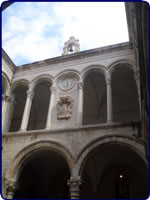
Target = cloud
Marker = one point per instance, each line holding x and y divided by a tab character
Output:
35	31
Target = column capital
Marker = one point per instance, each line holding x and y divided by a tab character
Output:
80	84
11	187
30	93
108	79
74	184
53	89
136	74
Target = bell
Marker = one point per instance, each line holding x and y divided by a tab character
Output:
70	48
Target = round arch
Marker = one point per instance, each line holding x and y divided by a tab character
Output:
128	141
6	79
41	78
121	63
17	163
18	83
64	73
121	157
96	68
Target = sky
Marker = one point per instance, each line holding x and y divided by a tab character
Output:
34	31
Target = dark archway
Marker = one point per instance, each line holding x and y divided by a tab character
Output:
114	171
43	175
94	105
124	95
40	105
17	108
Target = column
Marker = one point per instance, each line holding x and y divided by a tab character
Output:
4	103
80	104
27	109
74	184
137	80
7	112
109	99
51	103
11	187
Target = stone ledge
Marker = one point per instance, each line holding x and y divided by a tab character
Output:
72	129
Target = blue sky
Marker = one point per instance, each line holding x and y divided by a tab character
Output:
34	31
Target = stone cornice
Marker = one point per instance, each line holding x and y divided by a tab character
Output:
72	129
8	60
79	55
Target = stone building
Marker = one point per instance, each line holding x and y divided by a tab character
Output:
76	126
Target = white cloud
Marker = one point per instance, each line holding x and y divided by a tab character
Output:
35	31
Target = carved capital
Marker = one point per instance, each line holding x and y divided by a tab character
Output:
11	187
80	85
53	89
30	94
74	184
108	79
136	75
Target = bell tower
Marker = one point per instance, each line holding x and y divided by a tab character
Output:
71	46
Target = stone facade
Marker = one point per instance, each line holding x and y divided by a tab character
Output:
65	129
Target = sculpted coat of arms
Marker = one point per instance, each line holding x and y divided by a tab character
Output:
64	106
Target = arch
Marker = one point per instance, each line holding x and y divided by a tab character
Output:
67	72
7	81
127	63
18	83
12	172
41	78
98	68
127	141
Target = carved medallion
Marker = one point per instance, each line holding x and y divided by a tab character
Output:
67	83
64	105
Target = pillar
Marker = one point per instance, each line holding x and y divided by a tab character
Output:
109	99
137	80
8	108
80	104
4	106
51	103
11	187
27	110
74	184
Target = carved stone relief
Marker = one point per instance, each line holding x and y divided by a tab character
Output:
64	106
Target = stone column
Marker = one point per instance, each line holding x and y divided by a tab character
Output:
4	103
109	99
80	104
27	109
11	187
7	112
51	103
74	184
137	80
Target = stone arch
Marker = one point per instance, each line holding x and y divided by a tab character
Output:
128	141
14	168
120	155
18	83
94	100
125	91
7	82
97	68
67	72
127	63
41	78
